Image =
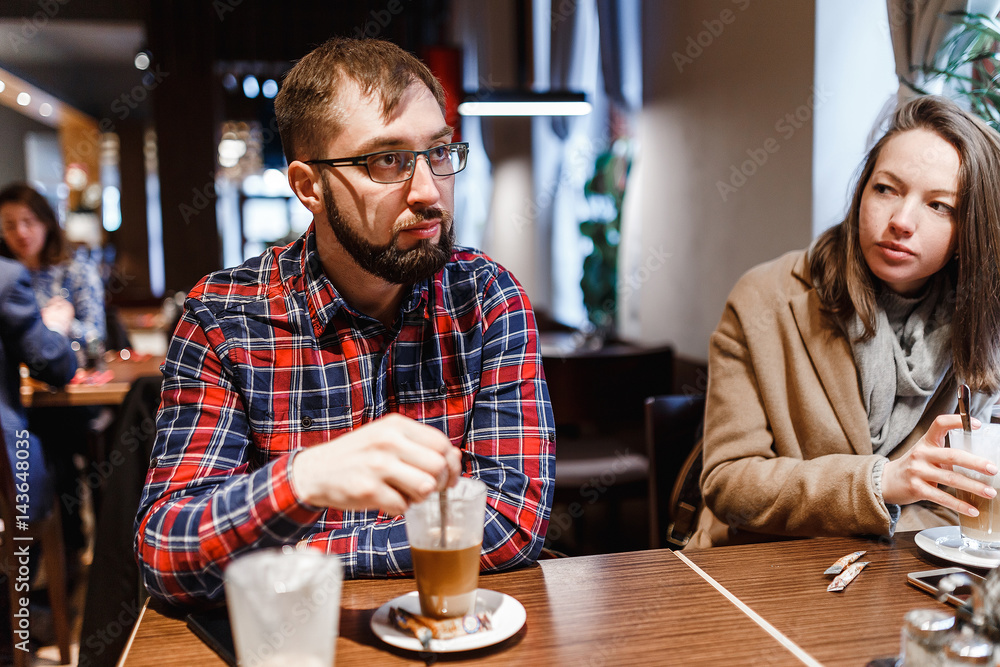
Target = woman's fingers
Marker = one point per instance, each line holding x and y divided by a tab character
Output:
944	499
942	424
961	482
943	466
950	457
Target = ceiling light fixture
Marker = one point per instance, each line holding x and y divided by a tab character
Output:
251	87
142	60
522	100
525	103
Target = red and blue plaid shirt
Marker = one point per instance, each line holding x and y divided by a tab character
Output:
268	359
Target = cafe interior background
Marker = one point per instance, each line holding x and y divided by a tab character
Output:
722	133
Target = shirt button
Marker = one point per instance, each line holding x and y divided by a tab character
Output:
153	462
307	421
443	389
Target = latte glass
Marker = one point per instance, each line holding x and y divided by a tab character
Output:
445	542
981	532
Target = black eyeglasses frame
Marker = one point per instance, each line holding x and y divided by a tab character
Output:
362	161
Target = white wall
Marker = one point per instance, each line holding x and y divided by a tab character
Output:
856	71
728	86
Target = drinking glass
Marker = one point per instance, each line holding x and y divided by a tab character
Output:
446	538
981	532
284	607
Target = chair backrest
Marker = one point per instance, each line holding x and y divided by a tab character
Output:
603	390
673	446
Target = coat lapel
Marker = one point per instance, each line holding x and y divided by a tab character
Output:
831	356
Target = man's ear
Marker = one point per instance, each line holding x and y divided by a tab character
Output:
305	183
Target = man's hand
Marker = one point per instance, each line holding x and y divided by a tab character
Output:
387	464
916	475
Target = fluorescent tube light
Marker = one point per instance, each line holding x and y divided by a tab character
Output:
525	103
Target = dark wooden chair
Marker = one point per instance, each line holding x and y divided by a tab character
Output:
44	534
597	401
673	447
114	584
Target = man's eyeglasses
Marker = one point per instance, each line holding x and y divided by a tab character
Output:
398	166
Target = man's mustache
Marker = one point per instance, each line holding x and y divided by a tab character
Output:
420	217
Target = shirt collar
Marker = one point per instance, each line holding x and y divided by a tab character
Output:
322	299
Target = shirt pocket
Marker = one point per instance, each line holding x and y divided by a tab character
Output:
276	433
444	404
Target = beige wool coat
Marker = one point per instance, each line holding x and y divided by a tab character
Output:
787	447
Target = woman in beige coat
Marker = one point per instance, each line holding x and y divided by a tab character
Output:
832	374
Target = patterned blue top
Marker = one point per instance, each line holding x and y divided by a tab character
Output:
78	282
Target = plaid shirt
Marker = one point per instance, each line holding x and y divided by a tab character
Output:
268	359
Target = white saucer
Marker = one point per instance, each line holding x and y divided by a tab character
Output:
508	617
946	542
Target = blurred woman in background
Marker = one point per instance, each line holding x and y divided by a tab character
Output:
70	296
69	292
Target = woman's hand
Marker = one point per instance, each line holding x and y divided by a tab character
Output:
917	474
387	464
58	315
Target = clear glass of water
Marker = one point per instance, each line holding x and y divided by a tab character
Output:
284	607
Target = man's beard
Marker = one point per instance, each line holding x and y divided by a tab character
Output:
389	262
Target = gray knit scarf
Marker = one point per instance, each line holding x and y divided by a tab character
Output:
904	363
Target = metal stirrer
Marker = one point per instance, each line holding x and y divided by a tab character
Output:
964	400
443	502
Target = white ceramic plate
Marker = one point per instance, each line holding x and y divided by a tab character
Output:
508	617
946	542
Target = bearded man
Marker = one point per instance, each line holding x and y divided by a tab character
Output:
314	392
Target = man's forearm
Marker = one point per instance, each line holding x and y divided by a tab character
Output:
185	541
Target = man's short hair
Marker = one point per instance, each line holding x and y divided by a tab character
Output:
306	106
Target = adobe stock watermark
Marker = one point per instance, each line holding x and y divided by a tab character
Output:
22	539
578	161
118	279
223	7
591	491
30	26
655	260
201	198
380	20
900	14
123	105
559	14
99	641
785	127
206	195
697	44
128	101
630	282
138	435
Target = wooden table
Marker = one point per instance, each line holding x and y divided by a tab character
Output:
125	373
645	608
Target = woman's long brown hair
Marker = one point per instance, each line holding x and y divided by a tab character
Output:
54	250
847	286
